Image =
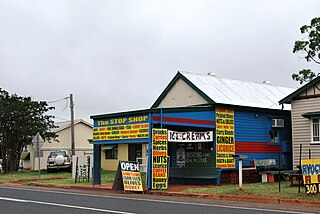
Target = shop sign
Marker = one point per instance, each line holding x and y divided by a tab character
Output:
190	136
125	128
159	158
225	142
131	176
311	175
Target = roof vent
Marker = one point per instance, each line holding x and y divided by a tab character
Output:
266	82
211	74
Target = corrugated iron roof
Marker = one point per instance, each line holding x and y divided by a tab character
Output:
240	93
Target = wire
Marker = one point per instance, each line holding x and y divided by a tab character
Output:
66	98
60	118
55	101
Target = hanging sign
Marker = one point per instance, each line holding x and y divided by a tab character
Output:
125	128
190	136
311	175
159	158
225	142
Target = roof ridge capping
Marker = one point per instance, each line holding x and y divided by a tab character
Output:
231	79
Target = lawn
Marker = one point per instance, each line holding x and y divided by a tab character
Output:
256	189
270	190
57	178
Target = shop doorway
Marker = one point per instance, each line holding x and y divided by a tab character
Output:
135	151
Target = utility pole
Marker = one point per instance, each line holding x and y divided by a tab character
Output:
72	125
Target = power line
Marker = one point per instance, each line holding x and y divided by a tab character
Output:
60	118
55	101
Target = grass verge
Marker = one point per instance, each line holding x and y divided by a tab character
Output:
54	178
270	190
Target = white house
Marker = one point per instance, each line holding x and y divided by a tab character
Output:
305	114
82	132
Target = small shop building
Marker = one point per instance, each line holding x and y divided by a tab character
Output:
207	119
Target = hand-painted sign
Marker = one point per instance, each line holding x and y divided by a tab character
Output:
126	128
131	177
225	142
159	159
311	175
190	136
82	169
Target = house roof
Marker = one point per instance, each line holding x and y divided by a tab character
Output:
218	90
67	124
296	93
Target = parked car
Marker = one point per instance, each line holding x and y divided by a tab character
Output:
58	160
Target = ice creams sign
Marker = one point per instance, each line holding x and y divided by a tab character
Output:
190	136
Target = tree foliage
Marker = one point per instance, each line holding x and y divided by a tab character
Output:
20	120
310	47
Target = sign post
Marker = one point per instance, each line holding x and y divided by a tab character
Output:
37	143
240	157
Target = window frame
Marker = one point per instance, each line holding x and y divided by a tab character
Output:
312	129
275	140
112	154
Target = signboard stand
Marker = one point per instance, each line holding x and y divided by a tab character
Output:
118	182
82	170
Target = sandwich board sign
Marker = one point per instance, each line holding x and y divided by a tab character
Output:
128	177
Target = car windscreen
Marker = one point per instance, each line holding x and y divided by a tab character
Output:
55	154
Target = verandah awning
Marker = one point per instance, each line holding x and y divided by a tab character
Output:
311	114
107	147
25	156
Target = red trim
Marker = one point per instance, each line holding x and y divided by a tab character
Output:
257	147
183	120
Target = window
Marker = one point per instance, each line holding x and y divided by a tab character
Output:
273	136
315	138
112	152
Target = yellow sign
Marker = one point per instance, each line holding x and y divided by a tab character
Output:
310	169
159	158
122	132
225	143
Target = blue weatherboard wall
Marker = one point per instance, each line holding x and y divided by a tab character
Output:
203	119
252	136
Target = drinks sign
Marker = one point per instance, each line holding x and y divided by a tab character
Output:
159	159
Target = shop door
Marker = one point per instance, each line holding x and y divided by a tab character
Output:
135	151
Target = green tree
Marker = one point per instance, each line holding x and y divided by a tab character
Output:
310	47
20	120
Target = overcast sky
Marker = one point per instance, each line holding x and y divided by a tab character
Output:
119	55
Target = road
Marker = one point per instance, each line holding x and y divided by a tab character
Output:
15	199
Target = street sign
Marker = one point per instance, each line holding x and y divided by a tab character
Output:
37	141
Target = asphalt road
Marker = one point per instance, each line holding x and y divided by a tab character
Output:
40	200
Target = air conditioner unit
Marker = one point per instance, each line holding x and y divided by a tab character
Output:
278	123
